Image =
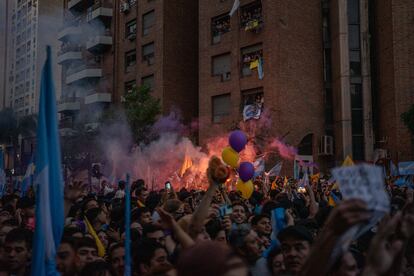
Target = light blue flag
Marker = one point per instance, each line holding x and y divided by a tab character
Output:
393	169
48	179
260	69
259	166
2	174
275	171
28	178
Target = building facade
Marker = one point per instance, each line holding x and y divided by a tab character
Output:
109	48
30	25
333	75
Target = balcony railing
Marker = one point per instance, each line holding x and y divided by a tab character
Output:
100	9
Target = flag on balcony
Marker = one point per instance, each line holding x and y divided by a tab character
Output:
236	5
2	174
259	166
260	68
48	179
254	64
28	178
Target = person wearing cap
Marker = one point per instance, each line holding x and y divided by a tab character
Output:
295	242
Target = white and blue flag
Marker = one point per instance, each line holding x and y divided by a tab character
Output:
48	179
28	178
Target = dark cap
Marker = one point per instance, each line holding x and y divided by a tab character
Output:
297	232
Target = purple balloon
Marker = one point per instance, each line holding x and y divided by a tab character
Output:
246	171
238	140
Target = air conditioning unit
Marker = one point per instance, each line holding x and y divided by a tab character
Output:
226	76
124	7
326	146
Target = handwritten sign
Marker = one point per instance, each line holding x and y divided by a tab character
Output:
364	182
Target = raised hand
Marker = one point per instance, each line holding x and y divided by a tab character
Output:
74	191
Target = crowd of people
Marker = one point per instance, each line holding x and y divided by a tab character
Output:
215	231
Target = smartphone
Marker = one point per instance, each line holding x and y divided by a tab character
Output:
168	185
302	190
225	210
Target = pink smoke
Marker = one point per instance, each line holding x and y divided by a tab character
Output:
285	151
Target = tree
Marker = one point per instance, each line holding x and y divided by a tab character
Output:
141	110
408	119
8	126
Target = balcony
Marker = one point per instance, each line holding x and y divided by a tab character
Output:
100	11
98	97
75	5
68	105
99	44
66	127
83	72
69	33
69	53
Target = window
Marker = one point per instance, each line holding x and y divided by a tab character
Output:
221	107
221	66
252	103
148	81
130	60
148	20
131	29
251	56
219	26
148	53
353	36
251	16
130	86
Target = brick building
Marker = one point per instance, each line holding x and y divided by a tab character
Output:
287	38
334	75
110	47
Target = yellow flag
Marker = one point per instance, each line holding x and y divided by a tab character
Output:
187	163
274	185
254	64
348	162
331	202
315	177
101	248
285	181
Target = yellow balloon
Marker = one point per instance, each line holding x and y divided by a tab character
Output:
246	188
230	157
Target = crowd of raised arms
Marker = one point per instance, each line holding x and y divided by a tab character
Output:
215	231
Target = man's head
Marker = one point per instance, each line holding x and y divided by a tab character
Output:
66	256
246	242
239	214
295	244
261	224
90	203
97	215
86	252
142	215
116	257
18	249
142	194
175	207
150	255
27	205
155	233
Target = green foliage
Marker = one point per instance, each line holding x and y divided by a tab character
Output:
408	119
141	110
8	126
11	126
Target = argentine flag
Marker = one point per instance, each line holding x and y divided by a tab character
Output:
48	179
28	178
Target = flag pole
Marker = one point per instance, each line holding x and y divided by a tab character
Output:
127	227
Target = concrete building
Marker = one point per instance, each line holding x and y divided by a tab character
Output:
30	26
111	47
333	75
